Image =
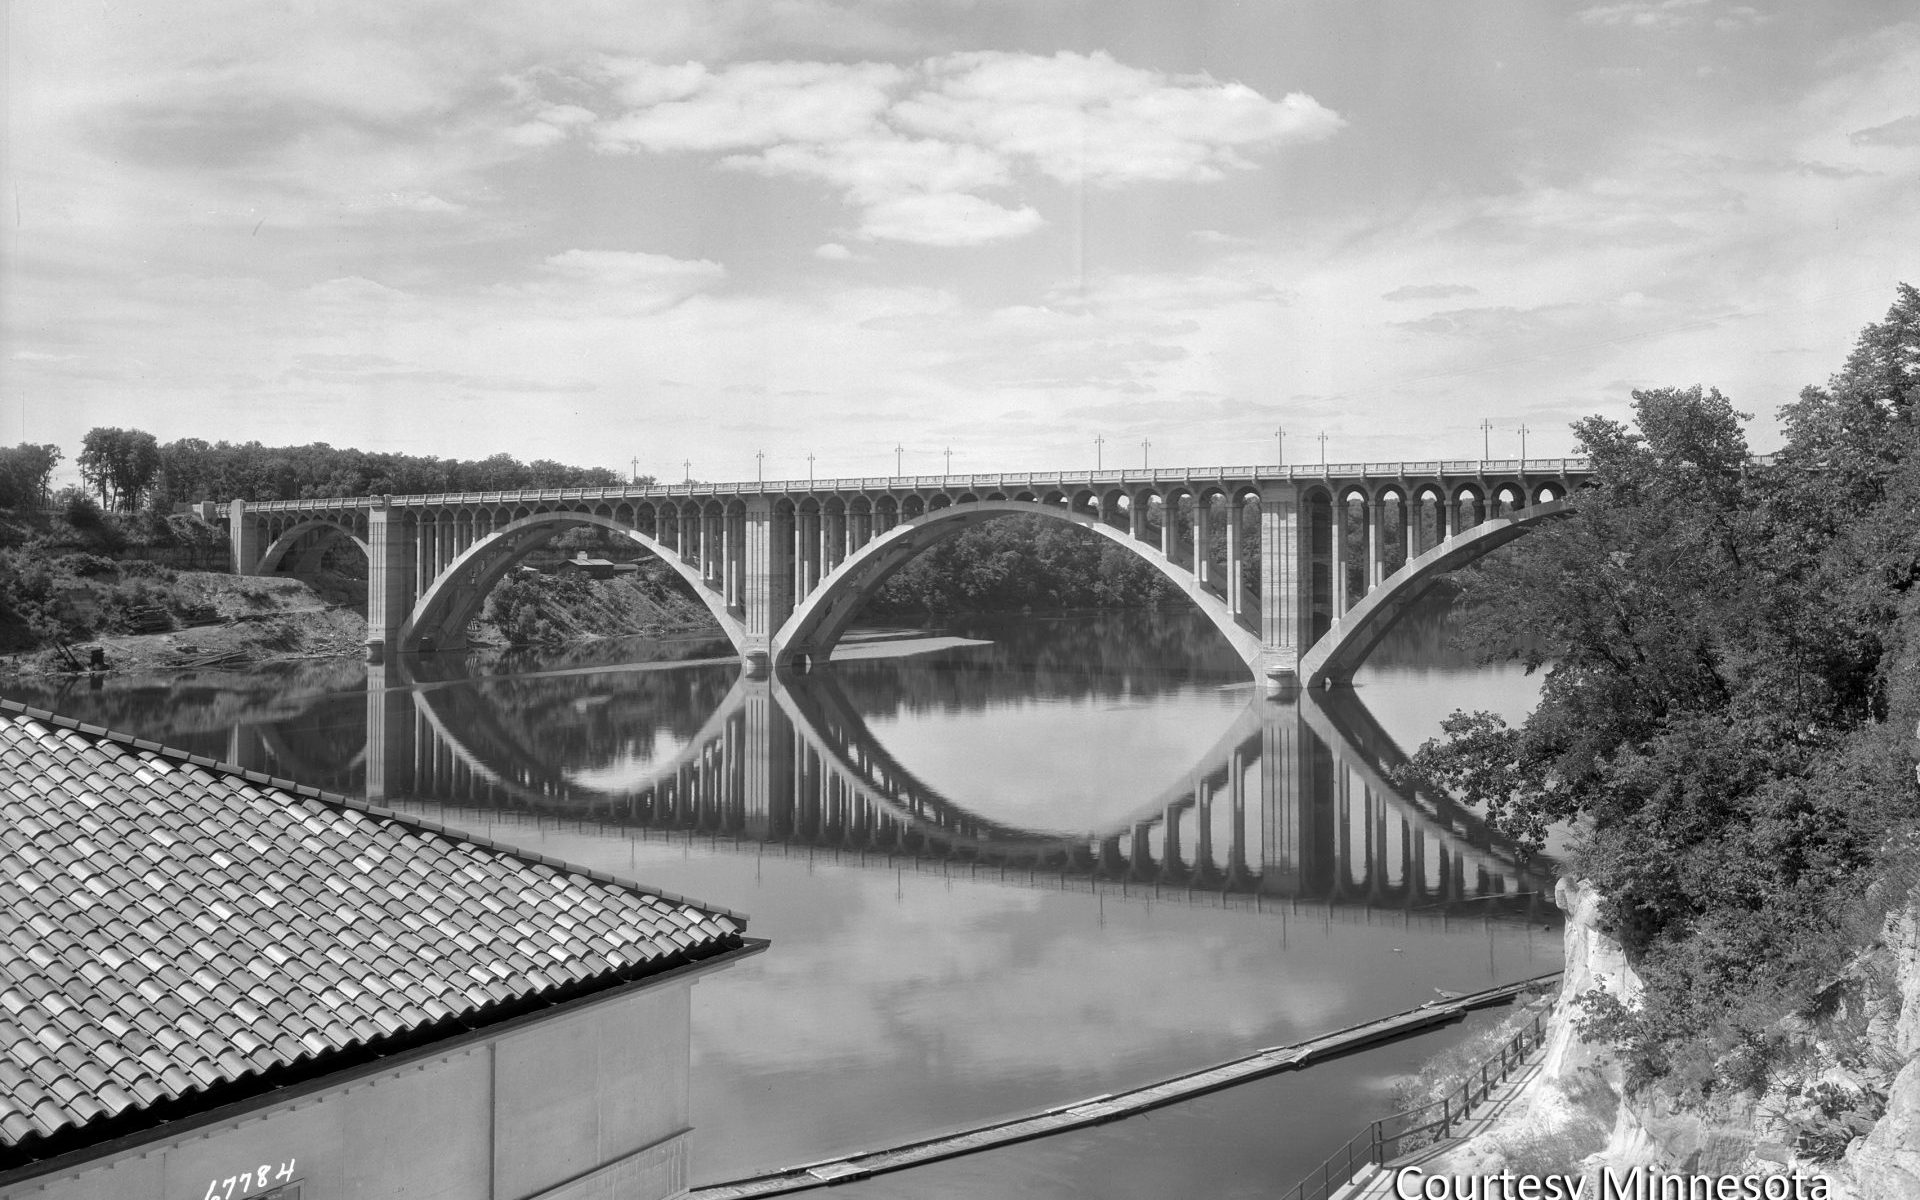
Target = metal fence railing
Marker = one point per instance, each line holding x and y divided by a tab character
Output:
1391	1136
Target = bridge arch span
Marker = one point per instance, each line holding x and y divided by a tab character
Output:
1335	656
439	619
277	549
820	619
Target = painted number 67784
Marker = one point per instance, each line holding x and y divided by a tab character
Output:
248	1182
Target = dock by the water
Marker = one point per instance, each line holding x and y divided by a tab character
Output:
1108	1107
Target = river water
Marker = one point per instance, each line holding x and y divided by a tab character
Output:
1005	865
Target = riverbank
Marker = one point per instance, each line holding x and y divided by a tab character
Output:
1846	1113
141	617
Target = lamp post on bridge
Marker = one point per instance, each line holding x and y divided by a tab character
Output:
1323	451
760	466
949	453
898	450
809	466
1486	438
1280	444
1099	440
1145	445
1523	446
689	466
634	475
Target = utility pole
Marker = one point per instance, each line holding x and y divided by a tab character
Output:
1145	445
1486	438
898	450
1280	444
1098	442
1523	447
760	466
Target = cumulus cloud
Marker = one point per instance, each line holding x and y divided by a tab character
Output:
913	149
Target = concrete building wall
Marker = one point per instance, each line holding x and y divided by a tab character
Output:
590	1102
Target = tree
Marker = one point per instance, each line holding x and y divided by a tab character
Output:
120	464
26	475
1716	642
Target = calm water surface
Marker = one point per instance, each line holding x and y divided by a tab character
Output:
1051	859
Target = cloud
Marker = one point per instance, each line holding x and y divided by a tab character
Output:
1086	117
915	148
946	219
1430	291
691	108
1902	132
1658	15
832	252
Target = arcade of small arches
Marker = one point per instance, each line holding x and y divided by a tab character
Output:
1276	564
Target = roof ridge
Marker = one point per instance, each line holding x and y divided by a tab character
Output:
359	804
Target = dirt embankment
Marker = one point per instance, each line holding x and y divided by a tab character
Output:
192	619
168	620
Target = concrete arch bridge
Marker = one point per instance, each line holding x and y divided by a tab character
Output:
1301	569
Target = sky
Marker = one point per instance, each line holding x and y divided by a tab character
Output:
674	235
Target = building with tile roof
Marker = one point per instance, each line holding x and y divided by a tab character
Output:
216	984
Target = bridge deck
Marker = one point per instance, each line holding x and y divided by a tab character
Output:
1097	1109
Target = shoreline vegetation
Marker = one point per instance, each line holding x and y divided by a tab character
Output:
1731	662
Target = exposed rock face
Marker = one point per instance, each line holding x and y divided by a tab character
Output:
1577	1090
1886	1163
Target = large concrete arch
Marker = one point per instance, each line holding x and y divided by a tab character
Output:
1333	659
439	619
819	620
269	560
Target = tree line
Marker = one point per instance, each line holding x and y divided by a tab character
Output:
130	470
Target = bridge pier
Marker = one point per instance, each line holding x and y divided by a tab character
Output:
390	576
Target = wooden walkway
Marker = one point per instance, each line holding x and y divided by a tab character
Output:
1377	1183
1111	1106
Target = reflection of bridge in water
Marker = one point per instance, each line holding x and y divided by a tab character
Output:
1293	800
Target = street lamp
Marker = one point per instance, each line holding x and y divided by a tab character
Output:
1280	444
1323	450
1099	440
898	450
689	470
1523	446
949	453
760	466
1144	446
809	466
1486	438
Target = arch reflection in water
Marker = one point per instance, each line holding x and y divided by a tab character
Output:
1291	801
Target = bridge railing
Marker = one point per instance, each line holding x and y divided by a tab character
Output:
1391	1136
952	483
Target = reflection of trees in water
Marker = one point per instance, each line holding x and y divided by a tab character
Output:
196	710
588	722
605	652
1096	655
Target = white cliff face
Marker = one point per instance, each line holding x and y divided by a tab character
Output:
1575	1117
1886	1163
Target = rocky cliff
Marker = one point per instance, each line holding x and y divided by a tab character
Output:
1846	1109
